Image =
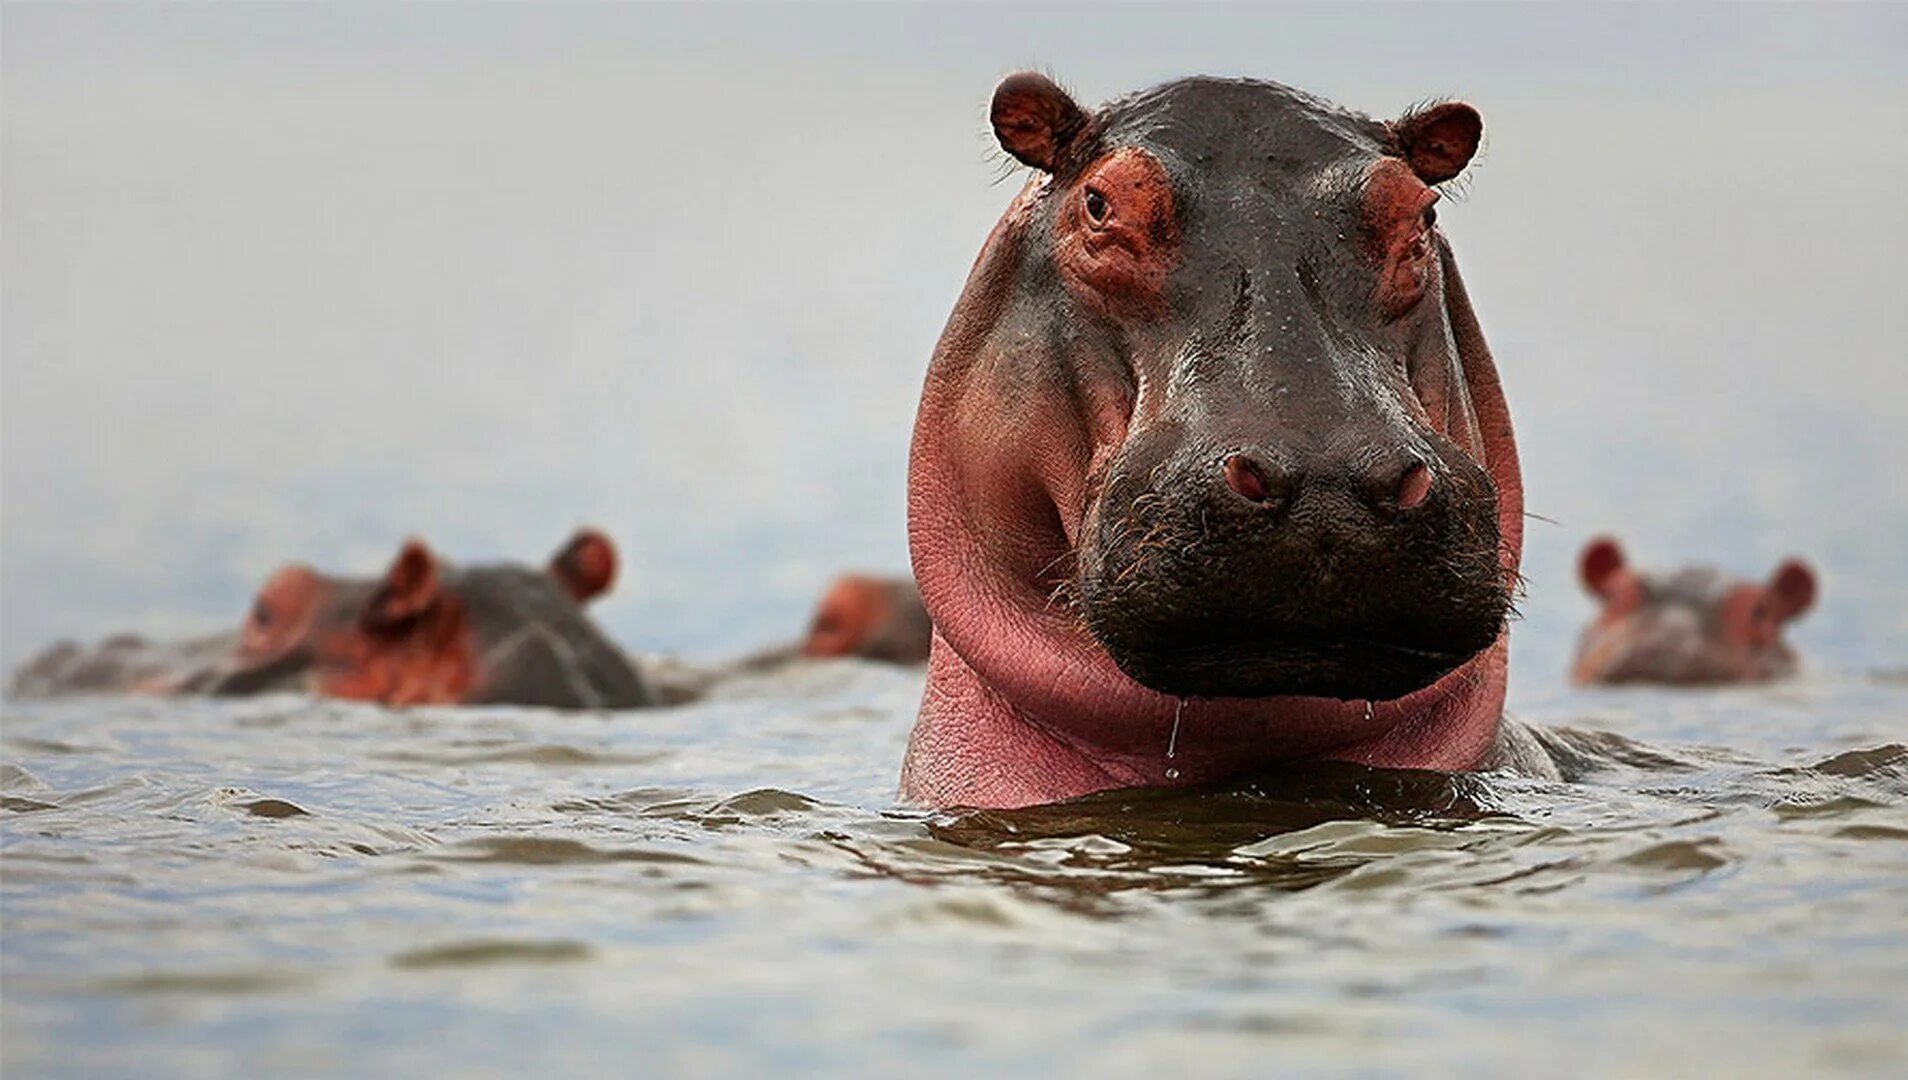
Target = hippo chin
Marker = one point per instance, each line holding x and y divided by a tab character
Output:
424	633
1212	468
1696	626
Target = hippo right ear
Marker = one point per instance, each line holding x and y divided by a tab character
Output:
1791	589
1439	140
586	567
1035	119
1600	566
411	587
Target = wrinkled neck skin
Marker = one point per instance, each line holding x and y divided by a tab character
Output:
1022	705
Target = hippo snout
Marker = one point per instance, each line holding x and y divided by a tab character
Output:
1261	571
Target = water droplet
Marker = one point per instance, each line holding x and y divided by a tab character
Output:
1172	741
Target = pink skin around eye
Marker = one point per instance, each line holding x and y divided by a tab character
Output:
1398	228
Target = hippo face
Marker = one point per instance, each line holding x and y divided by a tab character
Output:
1276	485
1697	626
429	633
873	618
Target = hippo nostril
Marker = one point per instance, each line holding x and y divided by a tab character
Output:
1415	487
1258	479
1247	477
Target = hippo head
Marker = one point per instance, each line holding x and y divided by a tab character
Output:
1697	626
430	633
1213	436
873	618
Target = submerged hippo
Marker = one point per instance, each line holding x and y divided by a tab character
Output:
875	618
1212	468
1697	626
424	633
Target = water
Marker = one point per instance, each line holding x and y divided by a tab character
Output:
199	887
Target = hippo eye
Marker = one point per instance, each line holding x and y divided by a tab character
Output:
261	615
1096	206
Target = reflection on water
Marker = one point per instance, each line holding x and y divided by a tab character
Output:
278	883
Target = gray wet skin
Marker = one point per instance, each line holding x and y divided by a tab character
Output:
522	632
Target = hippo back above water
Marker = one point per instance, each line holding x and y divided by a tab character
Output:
426	632
1696	626
1212	468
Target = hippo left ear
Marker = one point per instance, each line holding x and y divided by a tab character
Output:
1791	589
1034	119
1599	567
586	567
1439	141
411	587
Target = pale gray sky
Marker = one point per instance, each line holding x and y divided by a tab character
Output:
293	281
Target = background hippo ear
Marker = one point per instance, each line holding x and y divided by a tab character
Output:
1438	141
1035	119
1599	565
586	566
408	589
1792	589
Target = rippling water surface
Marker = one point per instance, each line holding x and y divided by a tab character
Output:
287	884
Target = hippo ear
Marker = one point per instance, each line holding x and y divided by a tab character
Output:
1035	119
1791	589
411	587
1439	141
586	567
1599	566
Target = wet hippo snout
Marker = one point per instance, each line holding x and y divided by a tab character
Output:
1362	568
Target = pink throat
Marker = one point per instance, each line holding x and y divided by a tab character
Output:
1020	710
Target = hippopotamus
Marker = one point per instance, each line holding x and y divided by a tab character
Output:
1212	468
1697	626
425	633
875	618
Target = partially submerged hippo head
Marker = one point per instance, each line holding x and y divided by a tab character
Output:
873	618
426	632
1211	455
1696	626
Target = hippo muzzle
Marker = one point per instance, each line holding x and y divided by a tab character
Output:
1284	524
1224	570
